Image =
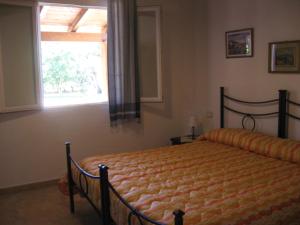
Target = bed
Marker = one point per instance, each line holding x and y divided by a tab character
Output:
228	176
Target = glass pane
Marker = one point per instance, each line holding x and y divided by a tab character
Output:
17	54
147	53
74	73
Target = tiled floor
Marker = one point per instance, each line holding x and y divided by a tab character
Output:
44	206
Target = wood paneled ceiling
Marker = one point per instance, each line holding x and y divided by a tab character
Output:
73	24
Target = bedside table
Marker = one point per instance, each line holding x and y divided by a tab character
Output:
182	140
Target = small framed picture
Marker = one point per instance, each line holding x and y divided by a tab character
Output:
284	57
239	43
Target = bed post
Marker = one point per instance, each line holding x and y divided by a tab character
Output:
178	220
70	177
221	107
104	189
282	118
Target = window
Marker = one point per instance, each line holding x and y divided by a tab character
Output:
73	47
63	64
149	47
19	80
56	55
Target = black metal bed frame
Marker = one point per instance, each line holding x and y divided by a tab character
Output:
290	102
282	113
105	186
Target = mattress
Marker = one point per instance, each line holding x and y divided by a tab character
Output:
212	182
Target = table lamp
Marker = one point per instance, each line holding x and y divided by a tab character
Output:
193	125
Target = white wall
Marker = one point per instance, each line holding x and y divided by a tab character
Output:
32	143
248	78
194	67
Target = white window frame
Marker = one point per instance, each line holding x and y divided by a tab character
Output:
37	49
159	97
38	86
37	90
96	4
74	3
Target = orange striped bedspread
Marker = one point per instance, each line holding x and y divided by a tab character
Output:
213	181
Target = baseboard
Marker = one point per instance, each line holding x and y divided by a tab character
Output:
25	187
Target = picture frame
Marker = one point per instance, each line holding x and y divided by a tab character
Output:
284	57
239	43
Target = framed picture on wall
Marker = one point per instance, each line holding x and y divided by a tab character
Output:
239	43
284	57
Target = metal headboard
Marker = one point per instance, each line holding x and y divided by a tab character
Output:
290	115
281	113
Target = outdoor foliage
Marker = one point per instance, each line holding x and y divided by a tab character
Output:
71	67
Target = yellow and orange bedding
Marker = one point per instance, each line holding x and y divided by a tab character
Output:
227	177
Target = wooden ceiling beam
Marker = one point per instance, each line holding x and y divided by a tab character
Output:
74	25
73	36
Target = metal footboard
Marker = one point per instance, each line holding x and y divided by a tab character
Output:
105	188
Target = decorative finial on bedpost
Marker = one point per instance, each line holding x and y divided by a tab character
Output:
178	217
68	147
104	189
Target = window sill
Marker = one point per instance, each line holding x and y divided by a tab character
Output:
75	105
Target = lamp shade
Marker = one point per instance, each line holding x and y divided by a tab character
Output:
193	121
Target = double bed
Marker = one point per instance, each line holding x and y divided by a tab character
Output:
225	177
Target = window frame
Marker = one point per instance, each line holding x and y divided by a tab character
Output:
100	4
36	38
157	11
36	67
37	56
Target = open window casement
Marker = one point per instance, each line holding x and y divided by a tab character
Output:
19	67
149	53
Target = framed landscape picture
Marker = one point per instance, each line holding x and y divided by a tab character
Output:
284	57
239	43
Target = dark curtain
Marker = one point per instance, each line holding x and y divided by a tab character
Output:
123	82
